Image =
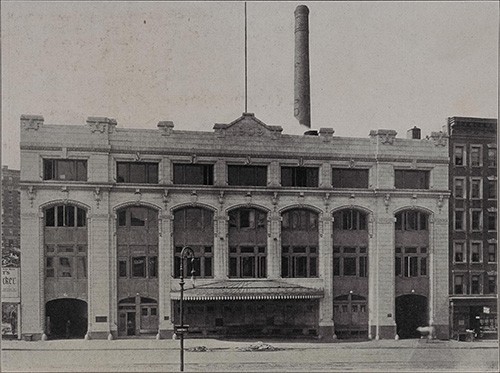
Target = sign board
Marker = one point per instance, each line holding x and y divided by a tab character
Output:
10	285
486	309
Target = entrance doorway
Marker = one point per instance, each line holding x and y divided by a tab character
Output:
411	312
130	323
66	318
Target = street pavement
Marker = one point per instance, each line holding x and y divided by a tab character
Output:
212	355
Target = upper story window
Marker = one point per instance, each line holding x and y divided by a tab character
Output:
349	178
411	261
411	221
65	216
137	172
65	169
411	179
349	220
350	261
492	189
459	252
247	218
458	284
299	176
492	253
459	155
492	157
201	266
194	174
475	156
459	187
299	261
299	219
476	252
476	188
245	175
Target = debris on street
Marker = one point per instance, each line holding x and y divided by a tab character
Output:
259	346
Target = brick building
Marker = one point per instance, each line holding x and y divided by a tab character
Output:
473	225
293	235
10	217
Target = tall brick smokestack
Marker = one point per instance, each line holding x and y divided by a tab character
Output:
302	100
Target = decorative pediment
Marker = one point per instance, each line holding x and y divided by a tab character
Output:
247	126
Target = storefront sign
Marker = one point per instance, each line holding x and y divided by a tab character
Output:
10	285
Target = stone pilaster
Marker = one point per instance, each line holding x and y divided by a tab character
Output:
326	326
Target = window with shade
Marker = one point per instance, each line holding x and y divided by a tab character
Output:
476	252
459	252
458	284
476	156
193	174
344	178
137	172
459	155
246	175
459	188
65	169
411	179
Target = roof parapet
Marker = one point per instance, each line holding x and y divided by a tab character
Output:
166	127
101	124
31	122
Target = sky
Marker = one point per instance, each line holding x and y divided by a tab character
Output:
374	65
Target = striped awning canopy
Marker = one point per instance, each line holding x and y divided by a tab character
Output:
248	290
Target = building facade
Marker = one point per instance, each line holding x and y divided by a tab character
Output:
473	226
11	218
310	235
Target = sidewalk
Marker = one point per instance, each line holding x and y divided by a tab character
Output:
217	344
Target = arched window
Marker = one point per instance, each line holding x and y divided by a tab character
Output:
349	219
411	220
65	241
247	243
194	227
299	243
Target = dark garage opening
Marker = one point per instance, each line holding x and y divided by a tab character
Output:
411	312
66	318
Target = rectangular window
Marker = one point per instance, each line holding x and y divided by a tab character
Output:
492	189
492	157
459	220
139	266
299	176
476	188
363	266
65	169
153	266
459	252
137	172
474	284
475	156
122	268
492	221
492	284
82	267
476	221
398	266
49	266
299	261
336	266
247	175
459	155
349	266
475	252
423	266
350	178
411	179
194	174
492	253
458	284
459	188
65	269
247	262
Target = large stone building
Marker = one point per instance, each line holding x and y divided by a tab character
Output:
311	235
473	226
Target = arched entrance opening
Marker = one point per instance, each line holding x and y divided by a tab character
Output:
411	312
66	318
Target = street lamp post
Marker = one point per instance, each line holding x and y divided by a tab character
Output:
186	252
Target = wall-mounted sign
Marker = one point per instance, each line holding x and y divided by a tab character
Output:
10	285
